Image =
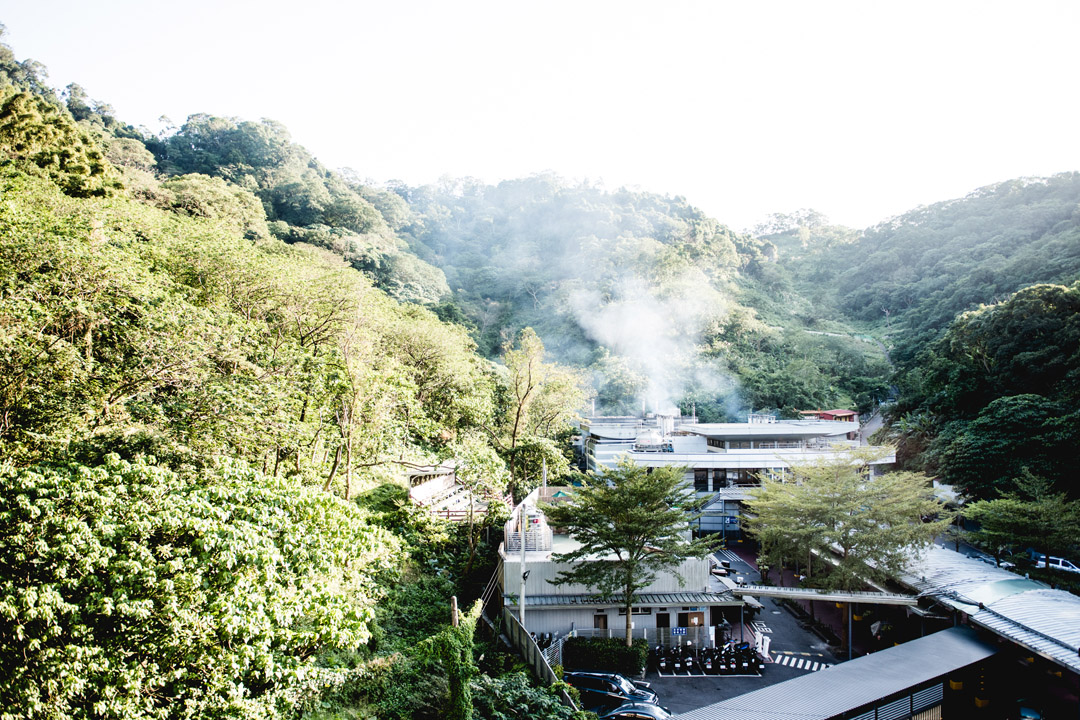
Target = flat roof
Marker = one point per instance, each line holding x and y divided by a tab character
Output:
781	429
857	683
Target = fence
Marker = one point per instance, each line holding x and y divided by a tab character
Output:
699	635
533	655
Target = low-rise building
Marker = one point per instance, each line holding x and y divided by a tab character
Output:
722	460
698	601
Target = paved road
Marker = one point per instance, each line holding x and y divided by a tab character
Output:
794	651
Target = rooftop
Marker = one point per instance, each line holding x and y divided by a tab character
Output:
857	683
1027	612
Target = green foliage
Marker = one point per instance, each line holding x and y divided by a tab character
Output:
868	523
1001	381
305	201
125	325
539	401
453	647
1031	516
37	136
514	696
131	591
606	655
207	197
630	526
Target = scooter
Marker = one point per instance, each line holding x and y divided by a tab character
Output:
658	658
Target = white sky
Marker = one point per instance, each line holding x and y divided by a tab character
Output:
861	110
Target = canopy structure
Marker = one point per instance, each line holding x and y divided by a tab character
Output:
909	677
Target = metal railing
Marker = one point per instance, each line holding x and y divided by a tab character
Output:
525	644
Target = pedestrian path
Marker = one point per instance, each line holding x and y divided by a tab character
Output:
800	662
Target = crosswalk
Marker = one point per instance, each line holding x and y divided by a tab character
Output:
800	663
725	554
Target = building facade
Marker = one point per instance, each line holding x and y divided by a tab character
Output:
722	460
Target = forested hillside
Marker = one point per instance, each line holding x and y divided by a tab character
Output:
203	436
218	358
977	299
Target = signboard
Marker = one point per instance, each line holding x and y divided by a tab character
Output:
678	631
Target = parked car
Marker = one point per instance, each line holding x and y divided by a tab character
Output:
1056	563
608	690
637	711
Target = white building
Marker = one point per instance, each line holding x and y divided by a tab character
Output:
723	460
698	601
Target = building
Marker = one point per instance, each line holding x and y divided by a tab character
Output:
698	603
436	487
927	679
723	460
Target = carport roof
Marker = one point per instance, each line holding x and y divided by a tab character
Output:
1030	614
849	686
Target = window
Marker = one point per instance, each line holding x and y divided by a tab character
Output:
719	479
739	444
701	480
636	611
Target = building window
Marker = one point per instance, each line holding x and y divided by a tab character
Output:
719	479
636	611
739	444
701	480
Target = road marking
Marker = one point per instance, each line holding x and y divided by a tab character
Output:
799	665
815	667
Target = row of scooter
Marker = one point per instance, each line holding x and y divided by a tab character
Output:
732	658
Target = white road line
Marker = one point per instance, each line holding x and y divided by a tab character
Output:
799	665
815	667
785	660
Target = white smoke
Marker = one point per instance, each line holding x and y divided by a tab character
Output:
657	329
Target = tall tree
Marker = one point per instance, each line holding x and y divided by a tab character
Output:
864	526
1033	515
540	400
631	525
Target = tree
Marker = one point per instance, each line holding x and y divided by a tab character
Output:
864	526
540	400
1032	515
136	591
631	525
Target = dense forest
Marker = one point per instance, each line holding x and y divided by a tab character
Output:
218	358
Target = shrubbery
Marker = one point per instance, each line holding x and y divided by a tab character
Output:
605	654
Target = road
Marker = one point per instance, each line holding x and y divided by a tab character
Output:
793	651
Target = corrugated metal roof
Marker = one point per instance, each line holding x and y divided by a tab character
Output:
1027	612
848	686
643	600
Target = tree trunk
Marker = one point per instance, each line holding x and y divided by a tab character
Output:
333	470
348	465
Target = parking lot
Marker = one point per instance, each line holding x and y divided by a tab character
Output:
793	651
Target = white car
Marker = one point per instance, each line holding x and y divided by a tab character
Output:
1056	563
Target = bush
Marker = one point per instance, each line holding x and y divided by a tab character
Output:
605	654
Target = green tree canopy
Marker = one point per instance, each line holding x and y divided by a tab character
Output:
631	525
864	525
128	590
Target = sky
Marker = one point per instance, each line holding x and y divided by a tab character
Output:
860	110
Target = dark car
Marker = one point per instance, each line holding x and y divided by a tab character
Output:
608	690
637	711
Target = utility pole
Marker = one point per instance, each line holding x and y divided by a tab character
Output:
524	573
